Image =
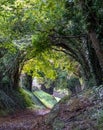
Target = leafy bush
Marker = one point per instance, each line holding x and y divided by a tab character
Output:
74	85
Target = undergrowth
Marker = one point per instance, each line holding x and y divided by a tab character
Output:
14	100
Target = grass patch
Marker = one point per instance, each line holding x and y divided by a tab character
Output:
48	100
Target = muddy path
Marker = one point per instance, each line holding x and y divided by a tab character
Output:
25	120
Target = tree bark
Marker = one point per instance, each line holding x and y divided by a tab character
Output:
96	46
92	24
26	81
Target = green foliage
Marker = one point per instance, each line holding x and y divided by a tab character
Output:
11	100
72	82
49	70
19	18
38	18
40	42
46	65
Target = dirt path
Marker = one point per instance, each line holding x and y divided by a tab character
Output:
25	120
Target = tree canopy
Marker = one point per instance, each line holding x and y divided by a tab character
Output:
31	29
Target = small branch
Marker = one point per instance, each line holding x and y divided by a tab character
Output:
66	52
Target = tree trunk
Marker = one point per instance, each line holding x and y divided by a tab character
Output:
96	46
91	21
26	81
96	68
15	78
